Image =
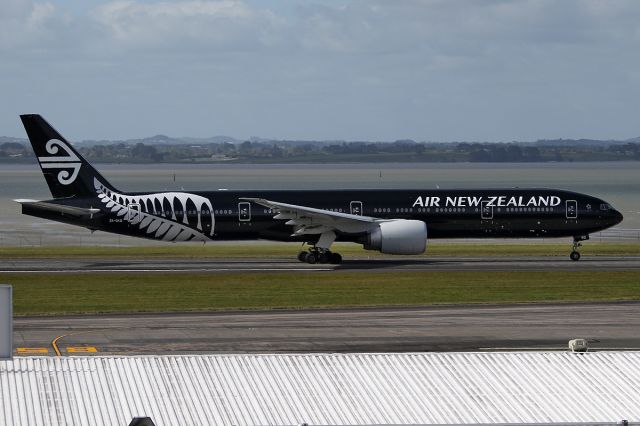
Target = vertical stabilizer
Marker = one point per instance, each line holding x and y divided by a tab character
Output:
66	172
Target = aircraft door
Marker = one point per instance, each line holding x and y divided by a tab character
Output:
244	211
487	211
133	214
572	209
356	208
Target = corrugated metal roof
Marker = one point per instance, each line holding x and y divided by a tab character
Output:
425	388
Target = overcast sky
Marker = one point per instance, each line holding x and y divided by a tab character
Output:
434	70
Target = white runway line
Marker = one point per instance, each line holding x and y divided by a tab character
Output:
66	271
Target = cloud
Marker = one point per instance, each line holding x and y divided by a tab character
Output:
434	28
223	24
25	23
454	27
14	8
377	69
39	16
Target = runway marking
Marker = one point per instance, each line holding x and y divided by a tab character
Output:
28	351
54	343
81	349
66	271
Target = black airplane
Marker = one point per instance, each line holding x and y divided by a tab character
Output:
390	221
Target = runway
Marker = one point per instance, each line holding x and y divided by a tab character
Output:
387	263
608	326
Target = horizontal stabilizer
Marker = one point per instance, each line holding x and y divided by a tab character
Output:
60	208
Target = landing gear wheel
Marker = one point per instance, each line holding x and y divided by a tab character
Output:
316	256
575	255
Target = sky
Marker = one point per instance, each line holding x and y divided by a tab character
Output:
379	70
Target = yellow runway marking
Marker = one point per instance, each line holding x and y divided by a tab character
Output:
25	351
81	349
55	344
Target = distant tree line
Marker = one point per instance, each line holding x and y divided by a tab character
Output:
294	151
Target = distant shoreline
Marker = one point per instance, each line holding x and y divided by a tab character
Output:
332	160
288	152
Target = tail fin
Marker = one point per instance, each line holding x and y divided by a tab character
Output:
66	172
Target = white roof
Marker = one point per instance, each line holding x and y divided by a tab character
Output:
422	388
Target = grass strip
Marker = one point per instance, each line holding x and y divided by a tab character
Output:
46	294
434	249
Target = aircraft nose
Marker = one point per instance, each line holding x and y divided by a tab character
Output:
616	217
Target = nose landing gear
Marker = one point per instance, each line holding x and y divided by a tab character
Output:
577	243
574	254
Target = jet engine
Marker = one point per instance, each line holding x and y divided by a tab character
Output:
399	236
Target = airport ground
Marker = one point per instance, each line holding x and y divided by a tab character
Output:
230	299
546	327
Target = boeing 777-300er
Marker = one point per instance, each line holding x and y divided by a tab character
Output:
396	221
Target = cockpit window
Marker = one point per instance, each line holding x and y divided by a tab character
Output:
605	206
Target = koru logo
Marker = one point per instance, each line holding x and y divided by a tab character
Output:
68	163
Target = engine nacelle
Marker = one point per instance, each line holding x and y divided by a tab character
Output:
399	236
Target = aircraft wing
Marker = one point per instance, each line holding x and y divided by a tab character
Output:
309	220
59	208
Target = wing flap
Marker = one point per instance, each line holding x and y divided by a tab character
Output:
310	220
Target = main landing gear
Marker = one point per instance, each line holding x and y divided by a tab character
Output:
318	255
320	252
577	243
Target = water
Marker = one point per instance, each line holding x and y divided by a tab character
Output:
616	182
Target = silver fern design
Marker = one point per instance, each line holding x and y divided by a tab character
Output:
167	216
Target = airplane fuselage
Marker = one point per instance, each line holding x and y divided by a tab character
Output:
455	213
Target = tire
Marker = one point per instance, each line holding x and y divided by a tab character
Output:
302	256
311	259
336	258
575	256
324	258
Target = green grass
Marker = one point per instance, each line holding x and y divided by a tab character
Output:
289	250
47	294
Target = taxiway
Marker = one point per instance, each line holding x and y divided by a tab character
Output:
436	328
